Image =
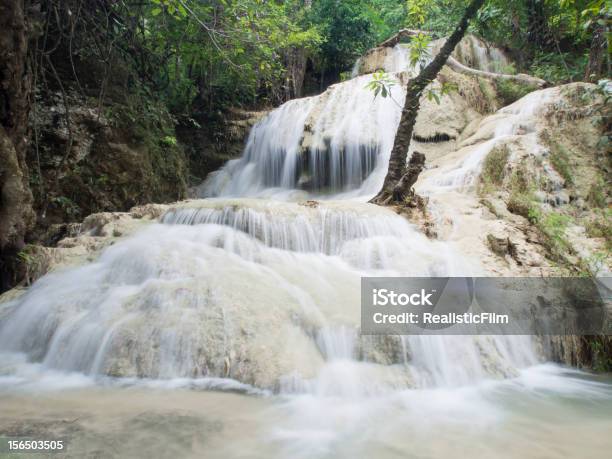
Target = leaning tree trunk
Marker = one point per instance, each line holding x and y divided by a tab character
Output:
395	188
16	214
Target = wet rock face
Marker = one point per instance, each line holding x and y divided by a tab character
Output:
471	52
591	352
544	206
555	167
210	143
517	249
93	161
499	245
72	244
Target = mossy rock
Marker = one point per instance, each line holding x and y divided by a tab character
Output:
520	204
509	91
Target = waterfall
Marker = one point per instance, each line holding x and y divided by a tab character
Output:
325	229
340	141
256	289
168	302
471	52
323	144
479	55
212	288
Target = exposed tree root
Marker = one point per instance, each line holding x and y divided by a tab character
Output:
403	191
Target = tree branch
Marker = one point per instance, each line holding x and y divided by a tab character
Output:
459	67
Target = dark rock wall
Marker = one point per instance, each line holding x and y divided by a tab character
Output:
101	160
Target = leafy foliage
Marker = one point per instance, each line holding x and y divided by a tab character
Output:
550	41
380	84
203	56
226	51
436	94
346	28
419	50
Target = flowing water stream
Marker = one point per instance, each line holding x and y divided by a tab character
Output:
230	327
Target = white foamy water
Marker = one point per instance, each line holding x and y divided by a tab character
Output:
184	299
231	327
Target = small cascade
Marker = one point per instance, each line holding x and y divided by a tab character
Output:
455	361
475	53
322	144
300	228
514	122
271	156
398	60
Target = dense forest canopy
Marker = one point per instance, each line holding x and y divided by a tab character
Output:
210	54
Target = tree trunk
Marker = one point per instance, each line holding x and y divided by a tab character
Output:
394	188
403	189
598	55
296	59
537	26
16	214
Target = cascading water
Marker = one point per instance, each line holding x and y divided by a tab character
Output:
261	296
513	122
323	144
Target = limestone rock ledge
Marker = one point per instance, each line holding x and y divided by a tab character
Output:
81	242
